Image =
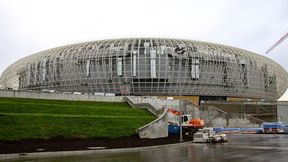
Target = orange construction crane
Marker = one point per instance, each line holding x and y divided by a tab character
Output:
277	43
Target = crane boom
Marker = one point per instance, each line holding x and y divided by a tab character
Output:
277	43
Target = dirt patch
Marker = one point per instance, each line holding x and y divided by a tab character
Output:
65	144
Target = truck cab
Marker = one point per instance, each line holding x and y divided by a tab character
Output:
187	120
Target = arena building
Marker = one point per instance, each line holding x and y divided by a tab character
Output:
149	66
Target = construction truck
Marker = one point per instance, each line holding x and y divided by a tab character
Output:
273	127
208	135
189	125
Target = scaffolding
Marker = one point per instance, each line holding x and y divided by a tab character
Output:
149	66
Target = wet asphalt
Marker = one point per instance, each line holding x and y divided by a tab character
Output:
240	148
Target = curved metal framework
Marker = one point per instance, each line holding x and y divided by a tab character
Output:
149	66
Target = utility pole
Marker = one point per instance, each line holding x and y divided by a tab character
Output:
180	123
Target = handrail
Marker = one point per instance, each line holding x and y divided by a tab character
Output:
188	100
148	106
224	112
209	106
258	121
227	115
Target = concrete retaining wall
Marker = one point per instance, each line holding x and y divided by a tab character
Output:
215	117
157	103
212	116
59	96
155	129
282	111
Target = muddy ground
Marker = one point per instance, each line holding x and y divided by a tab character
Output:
65	144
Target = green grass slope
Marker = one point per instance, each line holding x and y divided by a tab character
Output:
34	118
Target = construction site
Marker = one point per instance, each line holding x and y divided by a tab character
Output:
212	81
106	80
187	84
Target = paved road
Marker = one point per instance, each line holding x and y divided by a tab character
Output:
248	148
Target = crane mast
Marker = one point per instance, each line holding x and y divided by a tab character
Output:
277	43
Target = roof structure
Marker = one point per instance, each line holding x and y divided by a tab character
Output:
149	66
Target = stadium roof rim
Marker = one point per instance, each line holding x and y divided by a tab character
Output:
153	38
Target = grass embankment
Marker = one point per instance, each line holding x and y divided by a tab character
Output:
34	118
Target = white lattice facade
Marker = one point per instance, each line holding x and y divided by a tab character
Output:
149	66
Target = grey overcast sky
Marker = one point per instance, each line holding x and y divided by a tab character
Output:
29	26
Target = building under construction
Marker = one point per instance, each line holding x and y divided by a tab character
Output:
150	66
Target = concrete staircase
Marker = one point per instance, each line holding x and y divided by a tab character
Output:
212	115
215	117
263	110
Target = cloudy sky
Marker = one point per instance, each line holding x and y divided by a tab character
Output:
29	26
